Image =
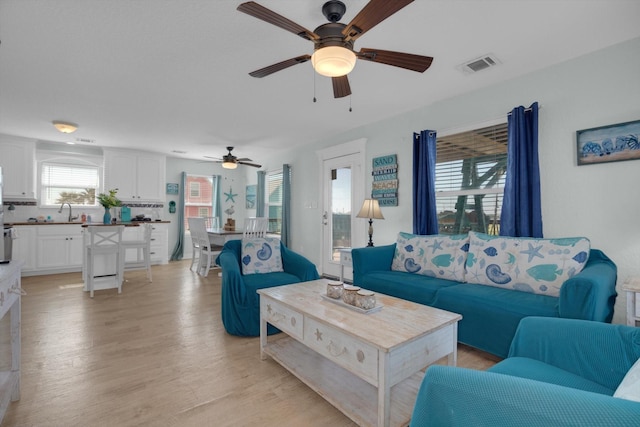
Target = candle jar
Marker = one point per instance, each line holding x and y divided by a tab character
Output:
334	290
349	294
366	300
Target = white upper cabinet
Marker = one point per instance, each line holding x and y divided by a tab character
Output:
137	175
17	158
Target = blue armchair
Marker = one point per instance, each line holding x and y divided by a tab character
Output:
559	372
240	301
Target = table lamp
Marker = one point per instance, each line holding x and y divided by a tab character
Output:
370	209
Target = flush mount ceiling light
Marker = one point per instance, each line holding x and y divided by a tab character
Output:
65	127
333	61
229	164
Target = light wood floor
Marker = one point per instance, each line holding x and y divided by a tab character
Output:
156	355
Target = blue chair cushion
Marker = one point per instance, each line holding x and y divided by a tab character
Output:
536	370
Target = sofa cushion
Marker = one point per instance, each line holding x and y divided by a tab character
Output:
408	286
629	388
490	315
261	255
435	255
524	367
538	266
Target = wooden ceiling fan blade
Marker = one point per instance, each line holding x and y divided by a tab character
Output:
371	15
257	11
341	87
407	61
263	72
244	159
255	165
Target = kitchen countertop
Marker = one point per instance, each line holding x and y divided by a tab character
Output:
132	223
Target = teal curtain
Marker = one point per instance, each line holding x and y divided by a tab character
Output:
260	192
215	194
178	250
286	205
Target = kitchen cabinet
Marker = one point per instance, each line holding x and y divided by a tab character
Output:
17	158
159	243
138	176
59	247
24	247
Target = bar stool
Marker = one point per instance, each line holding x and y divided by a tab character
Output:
143	248
104	240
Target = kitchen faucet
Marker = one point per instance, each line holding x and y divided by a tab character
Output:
71	218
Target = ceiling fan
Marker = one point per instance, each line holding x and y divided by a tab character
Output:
229	161
333	42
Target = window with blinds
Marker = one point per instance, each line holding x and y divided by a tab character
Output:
471	170
69	183
274	201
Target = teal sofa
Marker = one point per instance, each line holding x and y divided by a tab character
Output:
560	372
240	300
490	315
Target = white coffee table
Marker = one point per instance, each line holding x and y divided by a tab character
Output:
369	366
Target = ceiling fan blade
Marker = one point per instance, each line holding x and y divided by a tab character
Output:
371	15
263	72
407	61
341	86
257	11
255	165
244	159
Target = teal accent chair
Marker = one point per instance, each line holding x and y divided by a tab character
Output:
559	372
240	300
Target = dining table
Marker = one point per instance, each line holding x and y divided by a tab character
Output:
220	236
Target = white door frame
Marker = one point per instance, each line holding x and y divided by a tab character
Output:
354	148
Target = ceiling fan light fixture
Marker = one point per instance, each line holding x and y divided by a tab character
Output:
333	61
229	164
65	127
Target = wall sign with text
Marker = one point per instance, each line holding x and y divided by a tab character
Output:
385	180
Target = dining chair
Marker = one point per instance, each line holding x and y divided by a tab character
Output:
255	227
212	222
207	252
143	249
104	241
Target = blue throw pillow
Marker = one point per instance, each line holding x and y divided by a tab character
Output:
261	255
527	264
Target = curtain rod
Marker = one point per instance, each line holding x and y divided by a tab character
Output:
526	109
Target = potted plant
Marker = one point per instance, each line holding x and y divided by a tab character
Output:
108	201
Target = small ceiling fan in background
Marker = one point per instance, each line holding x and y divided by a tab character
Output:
229	161
333	42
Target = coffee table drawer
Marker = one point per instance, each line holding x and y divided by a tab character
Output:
342	349
283	318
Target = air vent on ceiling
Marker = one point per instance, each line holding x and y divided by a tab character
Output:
178	151
479	64
85	140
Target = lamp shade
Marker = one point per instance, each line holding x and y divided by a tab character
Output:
65	127
333	61
370	209
229	165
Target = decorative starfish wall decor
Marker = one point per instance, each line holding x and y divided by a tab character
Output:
230	195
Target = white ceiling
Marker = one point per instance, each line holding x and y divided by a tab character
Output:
165	75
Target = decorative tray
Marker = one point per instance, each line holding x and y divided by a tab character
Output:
341	303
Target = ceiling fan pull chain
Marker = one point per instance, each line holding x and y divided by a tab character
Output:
350	96
314	87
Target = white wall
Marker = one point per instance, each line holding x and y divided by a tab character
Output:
601	201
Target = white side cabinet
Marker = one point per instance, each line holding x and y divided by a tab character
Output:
59	247
10	300
24	247
17	158
138	176
160	243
